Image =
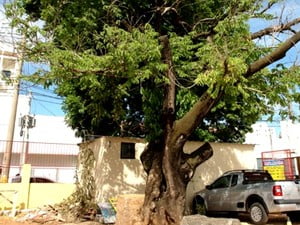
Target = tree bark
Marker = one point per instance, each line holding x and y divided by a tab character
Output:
274	29
169	169
164	202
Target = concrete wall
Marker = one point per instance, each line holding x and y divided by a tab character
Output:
115	176
41	194
27	195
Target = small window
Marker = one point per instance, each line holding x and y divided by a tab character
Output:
127	150
6	73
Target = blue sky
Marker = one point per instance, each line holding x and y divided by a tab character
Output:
44	101
285	11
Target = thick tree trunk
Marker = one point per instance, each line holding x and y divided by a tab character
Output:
169	168
168	176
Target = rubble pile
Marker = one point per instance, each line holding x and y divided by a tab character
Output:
43	215
49	215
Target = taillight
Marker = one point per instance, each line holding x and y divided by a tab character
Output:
277	191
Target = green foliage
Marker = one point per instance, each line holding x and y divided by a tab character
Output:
105	59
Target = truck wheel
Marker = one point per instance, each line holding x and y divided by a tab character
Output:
258	214
199	206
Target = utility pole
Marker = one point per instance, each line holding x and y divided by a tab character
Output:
27	121
11	126
11	65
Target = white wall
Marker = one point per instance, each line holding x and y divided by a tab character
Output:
8	36
267	138
48	129
52	129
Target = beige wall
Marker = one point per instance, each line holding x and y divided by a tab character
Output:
41	194
115	176
27	195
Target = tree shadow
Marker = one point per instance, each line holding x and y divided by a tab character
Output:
113	175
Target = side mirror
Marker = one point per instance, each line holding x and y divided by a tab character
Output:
208	187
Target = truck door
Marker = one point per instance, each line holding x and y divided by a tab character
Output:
233	194
218	194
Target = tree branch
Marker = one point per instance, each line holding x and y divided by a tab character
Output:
270	4
191	119
274	29
169	99
193	160
277	54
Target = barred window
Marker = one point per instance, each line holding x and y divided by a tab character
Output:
6	73
127	150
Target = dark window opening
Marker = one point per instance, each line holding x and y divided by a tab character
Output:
6	73
127	150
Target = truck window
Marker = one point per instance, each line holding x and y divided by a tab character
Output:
256	177
222	182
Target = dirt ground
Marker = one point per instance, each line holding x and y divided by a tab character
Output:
9	221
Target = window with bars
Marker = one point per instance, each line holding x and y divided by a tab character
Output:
6	73
127	150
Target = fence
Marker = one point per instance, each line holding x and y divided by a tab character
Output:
279	163
56	161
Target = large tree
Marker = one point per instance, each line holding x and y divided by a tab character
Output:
166	70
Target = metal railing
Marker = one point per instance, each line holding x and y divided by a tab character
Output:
57	161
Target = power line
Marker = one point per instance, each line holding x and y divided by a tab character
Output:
46	108
48	96
28	84
42	100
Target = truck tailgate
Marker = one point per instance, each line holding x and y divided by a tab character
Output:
290	189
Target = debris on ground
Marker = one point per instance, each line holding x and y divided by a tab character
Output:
108	213
103	213
47	215
40	215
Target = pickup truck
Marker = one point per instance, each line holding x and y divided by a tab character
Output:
249	191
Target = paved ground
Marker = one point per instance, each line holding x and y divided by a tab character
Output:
276	219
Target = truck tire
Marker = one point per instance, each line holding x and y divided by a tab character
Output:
199	206
258	214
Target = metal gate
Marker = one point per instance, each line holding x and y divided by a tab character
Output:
279	164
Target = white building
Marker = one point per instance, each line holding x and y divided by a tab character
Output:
277	147
268	138
50	145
